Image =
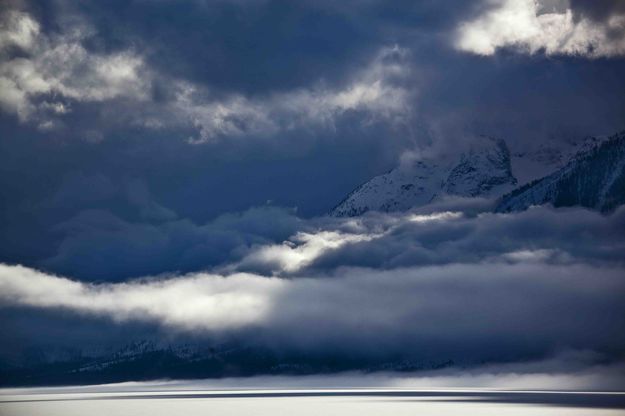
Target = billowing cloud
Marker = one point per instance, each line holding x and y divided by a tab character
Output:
380	241
49	69
300	250
532	26
218	303
96	243
162	242
52	71
458	311
18	29
443	285
298	103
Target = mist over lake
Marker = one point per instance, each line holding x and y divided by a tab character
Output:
340	394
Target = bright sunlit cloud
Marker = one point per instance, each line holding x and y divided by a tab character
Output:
60	67
521	25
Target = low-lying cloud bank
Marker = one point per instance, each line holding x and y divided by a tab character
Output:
434	286
462	309
573	371
98	245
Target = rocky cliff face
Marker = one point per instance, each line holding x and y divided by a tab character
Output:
482	171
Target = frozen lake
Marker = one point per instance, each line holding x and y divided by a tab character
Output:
128	400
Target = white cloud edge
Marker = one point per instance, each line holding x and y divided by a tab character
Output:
215	302
518	24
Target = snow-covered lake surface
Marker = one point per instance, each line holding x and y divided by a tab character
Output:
196	399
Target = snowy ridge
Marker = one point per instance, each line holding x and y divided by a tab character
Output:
594	178
397	190
482	171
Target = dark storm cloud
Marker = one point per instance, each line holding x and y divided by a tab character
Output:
96	244
59	75
249	46
261	46
162	139
209	71
74	184
598	10
295	103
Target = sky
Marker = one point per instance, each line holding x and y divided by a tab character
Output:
167	167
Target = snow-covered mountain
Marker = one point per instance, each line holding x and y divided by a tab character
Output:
594	178
489	170
549	156
397	190
483	170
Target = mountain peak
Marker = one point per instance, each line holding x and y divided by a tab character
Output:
588	173
482	170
